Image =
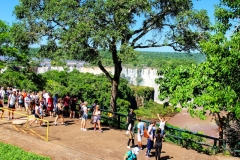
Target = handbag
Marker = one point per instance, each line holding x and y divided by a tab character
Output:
145	133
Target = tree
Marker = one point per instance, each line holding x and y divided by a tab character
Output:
213	85
78	29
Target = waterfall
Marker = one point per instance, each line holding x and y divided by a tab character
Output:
148	75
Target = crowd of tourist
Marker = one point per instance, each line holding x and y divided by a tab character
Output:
43	104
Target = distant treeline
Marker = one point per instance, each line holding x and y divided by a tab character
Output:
149	59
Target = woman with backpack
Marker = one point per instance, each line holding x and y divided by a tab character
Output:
158	138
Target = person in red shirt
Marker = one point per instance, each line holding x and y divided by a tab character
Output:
66	102
50	105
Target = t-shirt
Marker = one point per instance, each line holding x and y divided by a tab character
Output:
84	109
131	117
2	93
141	127
27	101
162	125
66	101
151	131
20	99
12	99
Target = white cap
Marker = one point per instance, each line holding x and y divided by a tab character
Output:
135	150
14	90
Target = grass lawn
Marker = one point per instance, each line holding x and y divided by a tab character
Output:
10	152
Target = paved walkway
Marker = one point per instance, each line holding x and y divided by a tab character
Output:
69	143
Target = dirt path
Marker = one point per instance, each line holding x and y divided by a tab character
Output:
69	142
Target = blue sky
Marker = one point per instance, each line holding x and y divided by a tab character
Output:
7	7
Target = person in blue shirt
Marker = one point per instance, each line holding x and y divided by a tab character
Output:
132	154
55	102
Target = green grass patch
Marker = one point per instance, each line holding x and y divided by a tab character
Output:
10	152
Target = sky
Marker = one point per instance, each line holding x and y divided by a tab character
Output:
7	7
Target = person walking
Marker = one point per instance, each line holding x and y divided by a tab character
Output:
130	120
84	117
11	103
59	111
151	134
140	132
97	118
38	114
157	143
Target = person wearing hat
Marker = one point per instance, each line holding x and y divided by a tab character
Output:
131	155
11	103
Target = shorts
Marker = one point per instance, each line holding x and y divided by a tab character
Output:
11	106
66	108
139	137
96	119
73	108
20	103
37	116
84	116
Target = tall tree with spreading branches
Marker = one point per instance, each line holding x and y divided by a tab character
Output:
77	29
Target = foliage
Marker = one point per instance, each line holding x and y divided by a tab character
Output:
151	108
188	140
212	85
157	59
90	86
29	81
77	29
10	152
147	93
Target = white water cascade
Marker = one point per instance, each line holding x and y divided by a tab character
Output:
147	75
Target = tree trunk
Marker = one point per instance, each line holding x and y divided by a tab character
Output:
113	100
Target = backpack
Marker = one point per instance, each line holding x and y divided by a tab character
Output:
131	156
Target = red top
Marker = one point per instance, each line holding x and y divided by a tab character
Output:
50	102
66	101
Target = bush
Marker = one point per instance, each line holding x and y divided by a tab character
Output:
10	152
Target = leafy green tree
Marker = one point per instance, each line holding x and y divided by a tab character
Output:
77	29
212	85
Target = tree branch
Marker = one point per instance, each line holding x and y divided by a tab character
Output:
105	71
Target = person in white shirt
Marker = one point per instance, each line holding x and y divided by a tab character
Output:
162	124
84	117
2	93
11	103
27	101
